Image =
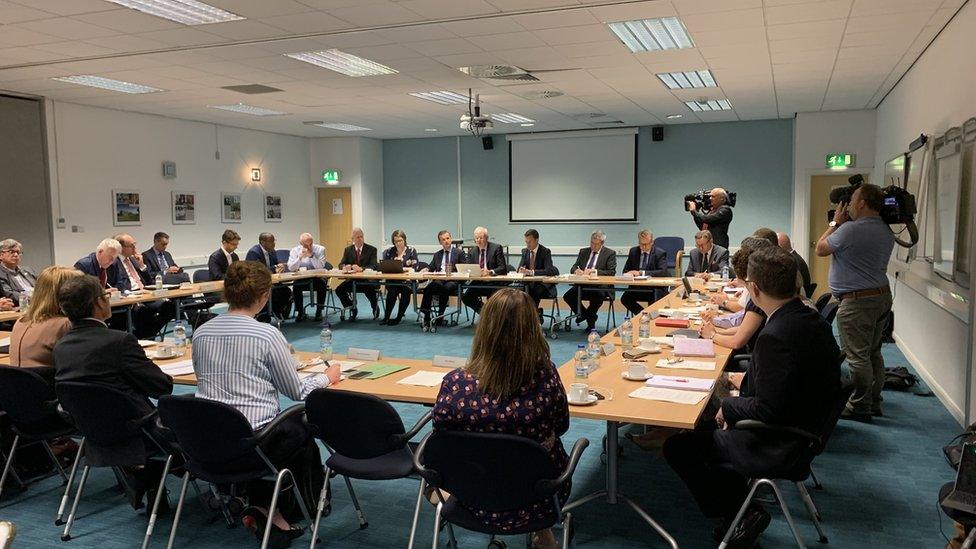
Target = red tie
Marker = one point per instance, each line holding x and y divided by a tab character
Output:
481	260
103	277
359	255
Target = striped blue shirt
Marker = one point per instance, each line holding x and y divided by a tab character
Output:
245	364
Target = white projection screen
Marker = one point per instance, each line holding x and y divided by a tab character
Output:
572	177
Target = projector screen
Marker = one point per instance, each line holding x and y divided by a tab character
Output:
582	176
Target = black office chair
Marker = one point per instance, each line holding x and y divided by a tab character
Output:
32	409
369	442
822	301
221	448
811	289
494	472
109	419
829	312
672	245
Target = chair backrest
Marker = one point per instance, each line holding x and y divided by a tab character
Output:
829	311
839	403
104	415
489	471
208	431
822	301
811	289
282	255
175	278
25	396
201	275
670	244
355	425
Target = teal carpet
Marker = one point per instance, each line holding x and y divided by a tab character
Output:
881	480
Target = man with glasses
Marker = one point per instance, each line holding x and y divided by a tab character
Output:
149	318
14	279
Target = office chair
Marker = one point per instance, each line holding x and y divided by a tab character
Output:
811	289
829	312
675	247
822	301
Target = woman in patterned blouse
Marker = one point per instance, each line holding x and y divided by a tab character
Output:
510	386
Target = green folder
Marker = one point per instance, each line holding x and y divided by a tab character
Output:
379	369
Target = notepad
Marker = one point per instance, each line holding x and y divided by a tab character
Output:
679	382
686	346
669	395
423	378
686	365
145	343
380	369
178	368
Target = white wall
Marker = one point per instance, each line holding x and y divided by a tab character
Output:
102	149
360	160
937	93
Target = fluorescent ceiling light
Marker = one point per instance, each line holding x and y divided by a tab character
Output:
688	79
247	109
709	105
674	116
188	12
652	34
430	129
527	125
107	84
343	62
510	118
343	127
442	97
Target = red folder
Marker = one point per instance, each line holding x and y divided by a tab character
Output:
672	322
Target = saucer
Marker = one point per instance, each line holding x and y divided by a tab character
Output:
154	354
645	377
590	399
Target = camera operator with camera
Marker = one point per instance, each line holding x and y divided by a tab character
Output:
860	242
712	212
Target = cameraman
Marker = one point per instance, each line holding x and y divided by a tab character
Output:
861	244
716	218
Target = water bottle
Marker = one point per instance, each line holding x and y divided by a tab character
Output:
593	344
159	282
325	342
24	299
645	326
627	335
580	362
179	335
725	272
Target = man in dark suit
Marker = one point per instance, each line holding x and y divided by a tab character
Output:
264	253
537	261
783	240
103	264
14	279
792	382
356	258
148	318
716	217
599	260
644	260
707	257
224	256
491	258
160	262
92	353
443	261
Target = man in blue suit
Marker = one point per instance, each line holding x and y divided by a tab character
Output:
160	262
443	261
264	252
644	260
104	265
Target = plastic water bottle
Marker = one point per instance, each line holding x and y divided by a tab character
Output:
725	272
159	282
179	335
645	326
325	342
593	344
627	335
24	299
580	364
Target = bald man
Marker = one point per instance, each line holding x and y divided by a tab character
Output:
308	256
716	218
356	258
783	240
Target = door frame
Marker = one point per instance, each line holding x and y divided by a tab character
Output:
801	204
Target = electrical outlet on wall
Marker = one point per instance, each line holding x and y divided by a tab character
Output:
77	229
61	223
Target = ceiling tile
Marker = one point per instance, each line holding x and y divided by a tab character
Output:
507	41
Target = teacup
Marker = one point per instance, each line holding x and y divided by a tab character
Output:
636	370
579	392
165	351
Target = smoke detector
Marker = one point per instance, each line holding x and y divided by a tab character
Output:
497	72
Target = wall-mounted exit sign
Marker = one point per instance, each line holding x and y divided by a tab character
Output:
840	160
331	177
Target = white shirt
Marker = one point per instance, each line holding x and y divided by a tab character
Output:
227	255
134	283
317	261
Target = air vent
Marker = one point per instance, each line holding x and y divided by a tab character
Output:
608	122
542	94
251	89
498	72
588	115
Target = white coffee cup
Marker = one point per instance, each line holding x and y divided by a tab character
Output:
636	370
579	392
165	351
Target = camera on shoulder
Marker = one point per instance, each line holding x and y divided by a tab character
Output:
703	199
898	206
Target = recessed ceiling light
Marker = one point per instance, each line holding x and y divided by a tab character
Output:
709	105
248	109
442	97
107	84
188	12
343	127
688	79
345	63
652	34
510	118
674	116
528	125
430	129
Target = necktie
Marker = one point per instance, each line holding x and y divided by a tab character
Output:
267	257
132	273
162	262
532	261
481	261
103	276
592	261
708	262
447	261
359	255
643	263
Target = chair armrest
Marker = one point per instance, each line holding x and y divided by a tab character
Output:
756	425
548	487
403	438
427	474
677	262
278	420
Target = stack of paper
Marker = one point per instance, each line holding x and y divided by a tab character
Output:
686	346
686	365
178	368
682	383
669	395
424	379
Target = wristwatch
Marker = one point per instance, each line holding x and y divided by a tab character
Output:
832	224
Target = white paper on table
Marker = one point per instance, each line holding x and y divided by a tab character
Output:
346	365
178	368
147	343
687	365
660	340
691	310
669	395
424	379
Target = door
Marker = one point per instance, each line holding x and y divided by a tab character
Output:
335	221
820	186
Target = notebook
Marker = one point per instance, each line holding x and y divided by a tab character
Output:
686	346
668	395
380	369
672	322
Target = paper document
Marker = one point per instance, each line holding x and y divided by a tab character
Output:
147	343
687	365
346	365
669	395
686	346
679	382
379	369
179	368
424	379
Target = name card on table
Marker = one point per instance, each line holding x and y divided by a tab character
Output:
363	354
445	361
607	349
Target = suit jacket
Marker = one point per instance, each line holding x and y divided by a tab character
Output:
718	257
367	258
793	381
437	262
657	263
717	222
114	274
10	287
804	271
494	258
154	267
143	274
256	253
543	261
606	261
217	264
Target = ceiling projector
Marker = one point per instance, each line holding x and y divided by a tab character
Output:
472	120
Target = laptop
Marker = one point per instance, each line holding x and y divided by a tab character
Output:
687	284
963	495
471	269
391	266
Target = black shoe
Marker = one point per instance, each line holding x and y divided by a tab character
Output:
395	321
353	314
255	521
376	312
302	317
752	525
318	315
854	416
426	320
384	322
439	322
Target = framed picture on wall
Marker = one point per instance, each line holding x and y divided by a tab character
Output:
126	208
272	208
184	208
230	208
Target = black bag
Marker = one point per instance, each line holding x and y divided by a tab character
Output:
953	451
899	379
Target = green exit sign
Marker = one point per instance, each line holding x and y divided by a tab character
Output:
840	160
331	177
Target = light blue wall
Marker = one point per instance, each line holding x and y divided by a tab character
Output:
754	159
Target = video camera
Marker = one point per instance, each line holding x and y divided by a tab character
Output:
898	208
703	199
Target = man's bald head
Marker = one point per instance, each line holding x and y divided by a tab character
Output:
305	239
718	196
784	241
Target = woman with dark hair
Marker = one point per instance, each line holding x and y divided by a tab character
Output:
406	254
514	388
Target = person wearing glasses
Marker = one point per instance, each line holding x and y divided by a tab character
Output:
14	279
